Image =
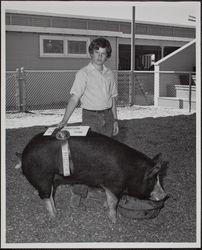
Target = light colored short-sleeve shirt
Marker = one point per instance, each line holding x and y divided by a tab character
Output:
94	88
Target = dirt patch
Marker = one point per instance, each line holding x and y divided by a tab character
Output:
175	137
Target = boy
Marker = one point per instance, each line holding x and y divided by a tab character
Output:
95	88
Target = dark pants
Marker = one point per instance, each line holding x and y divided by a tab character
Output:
101	122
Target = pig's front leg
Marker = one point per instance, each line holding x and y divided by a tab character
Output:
112	204
50	205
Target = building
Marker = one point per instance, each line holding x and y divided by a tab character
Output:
47	45
38	41
175	79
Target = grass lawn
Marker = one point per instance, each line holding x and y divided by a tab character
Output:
175	137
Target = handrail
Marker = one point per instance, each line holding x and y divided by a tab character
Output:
175	72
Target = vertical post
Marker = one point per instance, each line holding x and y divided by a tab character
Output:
132	85
156	84
162	51
17	94
22	90
189	92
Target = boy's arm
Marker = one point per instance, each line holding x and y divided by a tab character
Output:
73	101
114	111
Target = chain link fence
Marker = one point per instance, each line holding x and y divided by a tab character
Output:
47	89
41	90
144	87
11	90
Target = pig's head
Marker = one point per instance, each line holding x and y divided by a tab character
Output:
153	179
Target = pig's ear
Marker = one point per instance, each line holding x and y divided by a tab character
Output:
151	172
157	158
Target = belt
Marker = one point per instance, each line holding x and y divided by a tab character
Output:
97	111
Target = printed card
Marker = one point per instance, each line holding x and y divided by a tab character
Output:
73	130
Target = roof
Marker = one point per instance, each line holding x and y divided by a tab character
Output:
93	18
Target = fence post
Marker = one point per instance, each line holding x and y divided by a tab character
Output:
20	92
156	84
190	92
17	93
131	88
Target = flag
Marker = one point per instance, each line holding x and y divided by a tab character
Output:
192	18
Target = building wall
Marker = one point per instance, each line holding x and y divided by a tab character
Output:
167	82
22	50
98	24
182	61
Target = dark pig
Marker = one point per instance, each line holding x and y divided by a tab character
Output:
98	161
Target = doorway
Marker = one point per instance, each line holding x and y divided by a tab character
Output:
145	56
124	57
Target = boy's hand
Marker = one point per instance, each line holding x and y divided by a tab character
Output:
61	124
116	128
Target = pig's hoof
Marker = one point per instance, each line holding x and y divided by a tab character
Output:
105	205
52	215
112	217
113	220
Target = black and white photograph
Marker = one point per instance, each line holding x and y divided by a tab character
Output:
100	124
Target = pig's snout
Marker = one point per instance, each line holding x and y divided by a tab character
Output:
158	193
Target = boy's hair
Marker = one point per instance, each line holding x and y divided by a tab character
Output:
100	43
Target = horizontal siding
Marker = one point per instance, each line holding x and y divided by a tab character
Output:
78	23
183	32
156	30
40	21
125	28
103	25
69	23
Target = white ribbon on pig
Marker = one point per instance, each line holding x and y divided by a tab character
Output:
73	131
65	158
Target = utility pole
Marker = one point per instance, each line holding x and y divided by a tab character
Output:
132	85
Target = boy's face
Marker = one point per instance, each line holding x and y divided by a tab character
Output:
99	56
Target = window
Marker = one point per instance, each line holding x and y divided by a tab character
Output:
53	46
76	47
64	46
